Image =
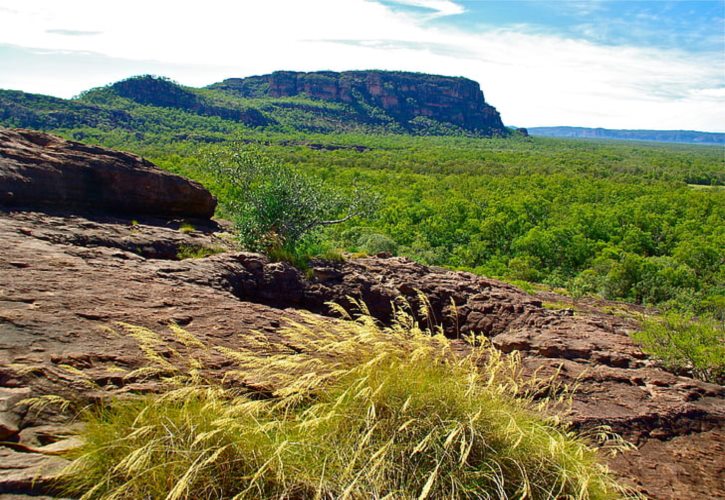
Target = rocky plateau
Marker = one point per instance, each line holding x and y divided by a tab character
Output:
404	96
92	237
404	102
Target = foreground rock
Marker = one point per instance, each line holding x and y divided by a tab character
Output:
67	281
38	169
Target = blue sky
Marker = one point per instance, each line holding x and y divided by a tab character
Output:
616	64
686	25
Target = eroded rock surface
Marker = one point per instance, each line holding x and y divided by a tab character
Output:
38	169
67	281
60	293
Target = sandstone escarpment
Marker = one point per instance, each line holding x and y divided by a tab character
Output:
403	96
68	279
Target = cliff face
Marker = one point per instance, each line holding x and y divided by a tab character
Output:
359	101
403	96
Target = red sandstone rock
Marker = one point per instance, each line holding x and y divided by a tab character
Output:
64	280
404	96
38	169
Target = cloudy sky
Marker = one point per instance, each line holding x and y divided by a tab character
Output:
616	64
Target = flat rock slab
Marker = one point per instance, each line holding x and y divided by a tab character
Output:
66	282
28	473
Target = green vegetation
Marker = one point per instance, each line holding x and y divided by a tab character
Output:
685	343
197	251
186	228
353	411
620	220
275	206
610	219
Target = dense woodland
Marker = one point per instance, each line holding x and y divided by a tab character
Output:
641	222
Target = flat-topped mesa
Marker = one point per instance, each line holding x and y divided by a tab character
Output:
403	96
40	170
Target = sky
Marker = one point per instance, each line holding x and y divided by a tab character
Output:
598	63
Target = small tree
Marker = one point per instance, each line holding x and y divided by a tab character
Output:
275	205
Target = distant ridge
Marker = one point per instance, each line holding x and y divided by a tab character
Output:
318	102
403	96
677	136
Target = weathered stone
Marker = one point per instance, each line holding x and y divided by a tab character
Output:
9	397
28	473
38	169
53	315
9	417
403	96
45	435
8	425
697	472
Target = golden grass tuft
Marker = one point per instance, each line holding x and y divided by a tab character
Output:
357	410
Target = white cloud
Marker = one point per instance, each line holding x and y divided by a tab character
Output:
440	7
532	78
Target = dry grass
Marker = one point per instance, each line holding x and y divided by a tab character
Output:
356	411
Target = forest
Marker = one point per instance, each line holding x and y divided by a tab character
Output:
634	221
640	223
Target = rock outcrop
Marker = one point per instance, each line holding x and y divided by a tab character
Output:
164	93
403	96
67	280
38	169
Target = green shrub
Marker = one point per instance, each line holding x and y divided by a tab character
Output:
276	205
683	342
331	255
302	255
526	268
353	411
375	243
297	257
368	241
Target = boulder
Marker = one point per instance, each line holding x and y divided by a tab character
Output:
42	170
